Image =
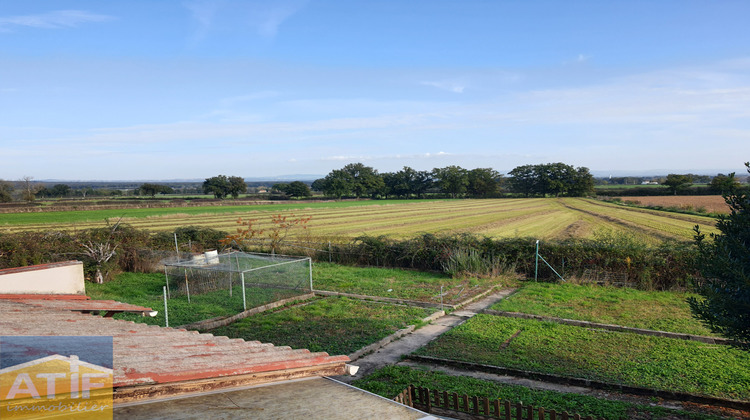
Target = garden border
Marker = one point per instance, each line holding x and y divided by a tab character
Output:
210	324
567	380
612	327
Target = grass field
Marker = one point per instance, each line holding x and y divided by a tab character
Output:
663	310
397	283
541	218
615	357
391	380
333	325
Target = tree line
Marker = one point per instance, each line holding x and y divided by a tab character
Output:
358	180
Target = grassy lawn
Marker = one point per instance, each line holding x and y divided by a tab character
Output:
397	283
664	311
391	380
146	290
333	325
623	358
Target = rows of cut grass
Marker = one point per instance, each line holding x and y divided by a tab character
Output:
333	325
653	310
542	218
391	380
614	357
676	226
398	283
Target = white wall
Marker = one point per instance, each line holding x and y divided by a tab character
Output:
55	278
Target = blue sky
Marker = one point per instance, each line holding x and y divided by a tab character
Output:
143	89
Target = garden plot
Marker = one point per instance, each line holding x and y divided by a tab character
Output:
334	325
658	310
398	283
614	357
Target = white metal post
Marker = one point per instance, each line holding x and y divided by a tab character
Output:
536	258
244	302
166	310
166	280
176	247
309	262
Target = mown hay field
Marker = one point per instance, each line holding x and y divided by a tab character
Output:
543	218
709	203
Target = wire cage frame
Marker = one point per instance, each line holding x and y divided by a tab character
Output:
213	271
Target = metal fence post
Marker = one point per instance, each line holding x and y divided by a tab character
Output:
536	263
166	310
309	263
244	301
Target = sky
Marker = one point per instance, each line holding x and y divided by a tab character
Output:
161	90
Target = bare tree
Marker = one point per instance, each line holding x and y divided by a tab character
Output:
28	188
100	250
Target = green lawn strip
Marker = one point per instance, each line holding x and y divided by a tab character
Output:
391	380
397	283
659	310
333	325
613	357
72	216
146	290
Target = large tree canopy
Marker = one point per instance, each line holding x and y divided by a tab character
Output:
453	180
153	189
353	179
677	182
725	265
551	179
294	189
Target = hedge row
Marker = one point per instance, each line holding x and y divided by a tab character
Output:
670	265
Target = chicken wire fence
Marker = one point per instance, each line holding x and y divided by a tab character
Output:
231	278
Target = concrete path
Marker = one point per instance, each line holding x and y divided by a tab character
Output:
391	353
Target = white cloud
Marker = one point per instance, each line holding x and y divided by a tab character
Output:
264	18
269	20
450	86
203	11
52	20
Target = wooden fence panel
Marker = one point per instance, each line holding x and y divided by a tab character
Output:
464	406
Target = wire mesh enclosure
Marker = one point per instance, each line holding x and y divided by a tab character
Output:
226	278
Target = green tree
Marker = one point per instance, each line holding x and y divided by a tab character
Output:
725	266
237	186
60	190
218	186
294	189
419	182
337	183
299	189
483	182
677	182
523	180
153	189
551	178
723	184
6	191
581	183
453	180
318	185
365	180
